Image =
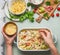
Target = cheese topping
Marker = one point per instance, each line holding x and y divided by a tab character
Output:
10	29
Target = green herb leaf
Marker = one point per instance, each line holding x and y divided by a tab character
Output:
28	4
28	14
48	3
45	15
31	19
21	19
14	16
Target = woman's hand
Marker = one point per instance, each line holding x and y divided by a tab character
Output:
8	40
46	34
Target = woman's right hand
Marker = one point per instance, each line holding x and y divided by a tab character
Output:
46	34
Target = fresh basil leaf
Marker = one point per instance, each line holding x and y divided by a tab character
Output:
48	3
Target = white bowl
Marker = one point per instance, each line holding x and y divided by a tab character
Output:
9	4
38	2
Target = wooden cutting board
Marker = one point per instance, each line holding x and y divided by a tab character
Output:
53	5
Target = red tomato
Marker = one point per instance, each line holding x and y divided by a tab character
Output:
58	8
52	15
57	14
27	44
49	8
35	10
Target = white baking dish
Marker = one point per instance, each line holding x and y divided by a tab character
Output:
54	39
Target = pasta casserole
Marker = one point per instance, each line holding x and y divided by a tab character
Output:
31	40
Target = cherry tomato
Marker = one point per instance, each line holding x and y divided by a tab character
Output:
52	15
58	8
35	10
57	14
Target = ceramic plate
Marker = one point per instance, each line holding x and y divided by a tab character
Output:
7	12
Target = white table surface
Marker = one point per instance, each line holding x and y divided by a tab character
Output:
53	24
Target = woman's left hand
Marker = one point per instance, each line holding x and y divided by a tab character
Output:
8	40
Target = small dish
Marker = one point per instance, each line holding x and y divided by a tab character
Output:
10	28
